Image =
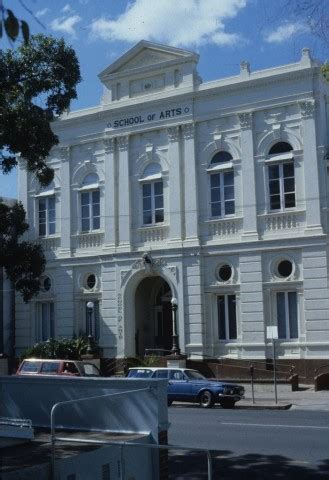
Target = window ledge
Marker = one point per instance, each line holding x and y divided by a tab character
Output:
281	212
44	237
279	158
149	178
91	232
220	167
49	193
92	186
223	219
153	225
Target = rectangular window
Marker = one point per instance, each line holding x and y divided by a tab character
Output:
281	178
46	328
47	216
287	314
227	327
153	209
95	326
90	211
222	194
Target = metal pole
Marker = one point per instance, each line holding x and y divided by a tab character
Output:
209	465
274	372
175	348
90	307
252	383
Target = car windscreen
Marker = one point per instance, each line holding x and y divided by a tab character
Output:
30	367
140	373
194	375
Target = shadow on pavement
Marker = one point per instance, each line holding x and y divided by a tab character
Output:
252	466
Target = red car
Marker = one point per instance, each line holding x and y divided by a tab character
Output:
66	368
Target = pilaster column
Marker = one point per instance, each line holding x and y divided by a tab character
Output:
311	169
110	193
175	185
248	177
65	201
190	180
124	192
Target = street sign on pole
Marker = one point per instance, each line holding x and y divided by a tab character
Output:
272	333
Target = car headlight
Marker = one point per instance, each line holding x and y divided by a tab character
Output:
228	391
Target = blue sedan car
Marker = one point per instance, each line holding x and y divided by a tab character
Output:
187	385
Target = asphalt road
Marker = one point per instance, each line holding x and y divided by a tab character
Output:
250	444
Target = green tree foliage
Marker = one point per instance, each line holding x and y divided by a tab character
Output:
61	348
37	82
11	25
23	262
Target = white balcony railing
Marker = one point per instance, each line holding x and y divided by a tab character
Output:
89	240
50	243
225	227
282	221
152	234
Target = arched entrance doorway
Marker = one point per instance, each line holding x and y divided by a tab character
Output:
153	318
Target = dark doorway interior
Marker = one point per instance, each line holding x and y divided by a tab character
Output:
153	315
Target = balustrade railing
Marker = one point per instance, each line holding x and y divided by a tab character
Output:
89	240
275	222
50	243
156	233
225	227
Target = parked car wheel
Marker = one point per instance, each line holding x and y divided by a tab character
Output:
227	403
206	399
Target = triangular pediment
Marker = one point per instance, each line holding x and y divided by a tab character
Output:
147	57
147	54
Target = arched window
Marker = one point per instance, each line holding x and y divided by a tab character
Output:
151	169
152	194
281	177
221	157
90	203
280	147
221	172
90	179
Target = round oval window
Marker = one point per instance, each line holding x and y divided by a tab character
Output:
45	284
285	268
91	281
225	273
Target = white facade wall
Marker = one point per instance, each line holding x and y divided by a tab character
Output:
180	124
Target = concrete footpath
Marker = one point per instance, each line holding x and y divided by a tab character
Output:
305	398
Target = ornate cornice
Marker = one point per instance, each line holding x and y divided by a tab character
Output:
245	120
188	130
123	142
108	145
307	108
173	133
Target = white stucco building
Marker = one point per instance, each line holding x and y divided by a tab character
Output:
224	184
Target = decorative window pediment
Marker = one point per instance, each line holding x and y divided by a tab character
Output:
151	172
90	182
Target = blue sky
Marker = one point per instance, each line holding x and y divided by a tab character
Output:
223	32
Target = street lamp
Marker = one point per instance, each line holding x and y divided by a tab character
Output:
175	348
90	308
